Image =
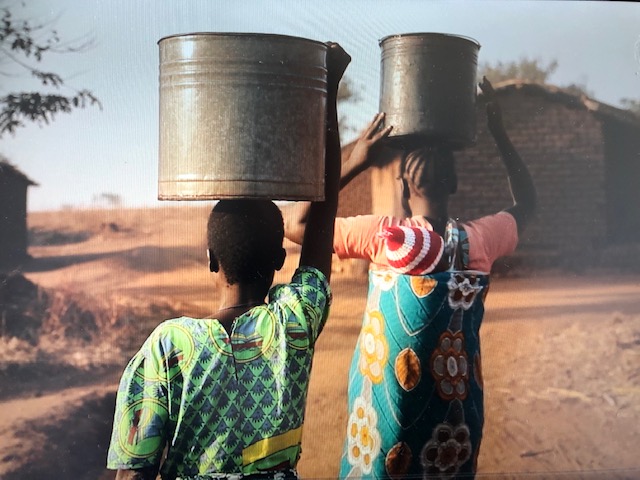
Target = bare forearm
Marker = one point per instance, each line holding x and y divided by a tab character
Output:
296	214
523	191
521	184
295	217
350	171
365	150
317	245
355	160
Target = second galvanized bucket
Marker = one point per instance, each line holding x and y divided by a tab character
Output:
241	116
428	87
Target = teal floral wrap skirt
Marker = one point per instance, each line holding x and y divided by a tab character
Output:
415	399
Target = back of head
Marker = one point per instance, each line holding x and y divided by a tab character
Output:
245	236
430	170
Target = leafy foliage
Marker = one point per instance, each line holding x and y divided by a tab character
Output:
346	94
531	70
632	104
23	45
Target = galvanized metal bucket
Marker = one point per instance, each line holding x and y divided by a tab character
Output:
241	116
428	87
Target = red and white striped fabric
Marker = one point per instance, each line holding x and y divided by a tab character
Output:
412	250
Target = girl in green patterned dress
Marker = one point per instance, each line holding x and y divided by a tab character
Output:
224	397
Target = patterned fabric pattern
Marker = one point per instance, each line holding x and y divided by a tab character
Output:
415	386
223	404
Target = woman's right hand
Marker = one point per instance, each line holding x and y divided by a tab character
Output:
361	156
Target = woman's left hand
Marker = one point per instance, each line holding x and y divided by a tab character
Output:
494	113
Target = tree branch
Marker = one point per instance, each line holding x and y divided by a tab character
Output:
24	44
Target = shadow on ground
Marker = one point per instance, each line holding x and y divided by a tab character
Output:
41	378
146	259
72	447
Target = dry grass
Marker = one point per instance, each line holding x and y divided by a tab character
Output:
560	351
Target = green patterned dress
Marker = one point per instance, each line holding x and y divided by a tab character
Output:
415	384
223	406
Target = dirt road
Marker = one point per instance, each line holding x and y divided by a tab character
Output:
561	359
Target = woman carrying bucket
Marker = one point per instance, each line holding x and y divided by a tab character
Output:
224	397
415	395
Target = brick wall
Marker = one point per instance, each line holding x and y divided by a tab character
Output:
563	148
562	143
355	198
622	145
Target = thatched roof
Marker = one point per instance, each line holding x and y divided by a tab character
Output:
570	99
9	170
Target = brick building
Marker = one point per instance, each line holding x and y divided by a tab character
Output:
584	157
13	214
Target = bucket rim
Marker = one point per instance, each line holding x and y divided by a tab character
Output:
429	34
242	35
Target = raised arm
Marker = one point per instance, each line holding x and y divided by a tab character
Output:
360	158
363	152
522	188
317	245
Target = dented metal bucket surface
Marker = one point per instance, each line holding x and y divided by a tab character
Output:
241	116
428	87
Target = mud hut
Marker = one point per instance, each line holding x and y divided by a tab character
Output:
584	157
13	214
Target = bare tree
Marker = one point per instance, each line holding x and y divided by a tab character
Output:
346	94
110	200
23	45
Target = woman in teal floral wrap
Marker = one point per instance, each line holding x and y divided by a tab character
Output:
415	384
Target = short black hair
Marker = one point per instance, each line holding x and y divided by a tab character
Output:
431	170
245	236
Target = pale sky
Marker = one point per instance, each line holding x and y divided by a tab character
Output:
114	150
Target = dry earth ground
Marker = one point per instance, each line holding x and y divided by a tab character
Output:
561	354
